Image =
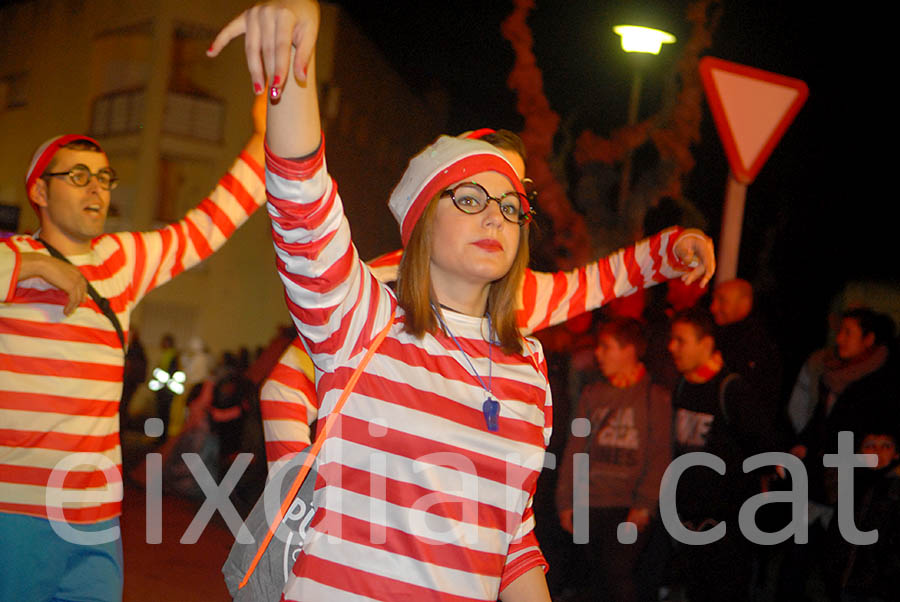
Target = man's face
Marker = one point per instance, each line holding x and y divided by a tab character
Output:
612	357
850	339
882	446
78	213
688	351
728	304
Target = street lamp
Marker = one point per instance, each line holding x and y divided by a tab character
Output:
644	40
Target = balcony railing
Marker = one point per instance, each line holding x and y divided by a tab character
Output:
194	116
118	113
185	115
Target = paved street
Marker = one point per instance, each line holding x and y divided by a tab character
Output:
170	570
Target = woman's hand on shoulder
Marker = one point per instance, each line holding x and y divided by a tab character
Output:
271	31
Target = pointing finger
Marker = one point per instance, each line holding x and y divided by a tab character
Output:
235	28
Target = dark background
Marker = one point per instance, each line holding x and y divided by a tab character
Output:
817	215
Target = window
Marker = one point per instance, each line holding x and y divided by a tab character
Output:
117	113
13	93
9	218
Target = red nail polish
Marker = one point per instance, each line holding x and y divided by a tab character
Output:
305	69
274	92
257	87
276	80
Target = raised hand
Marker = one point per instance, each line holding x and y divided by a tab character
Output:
271	31
695	249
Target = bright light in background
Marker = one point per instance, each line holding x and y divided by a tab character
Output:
161	378
642	39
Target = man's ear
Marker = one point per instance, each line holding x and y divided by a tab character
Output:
38	194
631	351
869	340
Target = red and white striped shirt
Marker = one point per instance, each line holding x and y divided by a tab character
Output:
416	498
287	398
61	376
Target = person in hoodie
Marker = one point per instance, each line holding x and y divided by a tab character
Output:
629	447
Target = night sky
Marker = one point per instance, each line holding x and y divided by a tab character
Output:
816	214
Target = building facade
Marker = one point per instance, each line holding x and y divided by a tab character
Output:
135	76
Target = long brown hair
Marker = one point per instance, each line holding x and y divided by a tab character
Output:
416	295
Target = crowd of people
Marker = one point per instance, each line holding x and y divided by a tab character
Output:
429	365
731	401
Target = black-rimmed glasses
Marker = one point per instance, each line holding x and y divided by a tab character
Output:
472	198
80	175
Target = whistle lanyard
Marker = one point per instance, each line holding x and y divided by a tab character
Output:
491	407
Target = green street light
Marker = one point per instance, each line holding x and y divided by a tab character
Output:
644	40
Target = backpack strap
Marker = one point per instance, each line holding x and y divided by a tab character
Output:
722	386
314	450
101	301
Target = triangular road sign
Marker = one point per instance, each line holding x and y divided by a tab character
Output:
752	109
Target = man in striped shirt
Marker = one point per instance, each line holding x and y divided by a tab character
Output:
61	361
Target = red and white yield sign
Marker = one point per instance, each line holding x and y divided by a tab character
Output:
752	109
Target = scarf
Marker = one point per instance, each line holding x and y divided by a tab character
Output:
839	374
628	379
706	371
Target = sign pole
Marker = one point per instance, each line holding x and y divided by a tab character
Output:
730	235
752	109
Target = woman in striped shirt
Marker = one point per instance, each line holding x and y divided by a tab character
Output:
425	486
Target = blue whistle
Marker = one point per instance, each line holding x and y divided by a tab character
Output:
491	409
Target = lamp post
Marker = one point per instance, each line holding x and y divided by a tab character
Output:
644	40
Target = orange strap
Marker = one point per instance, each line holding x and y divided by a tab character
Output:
317	445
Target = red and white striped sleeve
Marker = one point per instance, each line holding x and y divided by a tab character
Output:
336	303
10	261
162	254
289	404
524	552
549	299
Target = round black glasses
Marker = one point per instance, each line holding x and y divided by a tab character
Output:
472	198
81	175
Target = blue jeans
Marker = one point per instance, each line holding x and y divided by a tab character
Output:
37	564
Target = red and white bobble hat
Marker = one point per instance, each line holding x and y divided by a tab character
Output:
447	161
44	154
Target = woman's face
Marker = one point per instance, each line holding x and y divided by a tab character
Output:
473	249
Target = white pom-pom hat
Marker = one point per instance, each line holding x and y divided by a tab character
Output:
445	162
